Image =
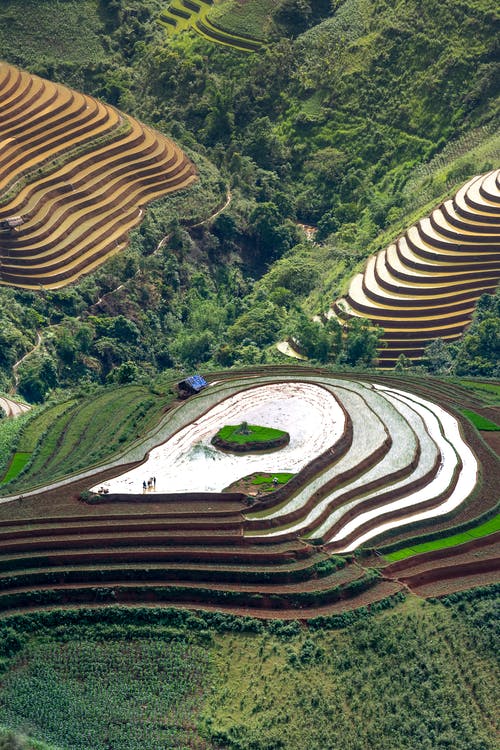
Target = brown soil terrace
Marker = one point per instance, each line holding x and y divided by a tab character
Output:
78	173
425	286
190	550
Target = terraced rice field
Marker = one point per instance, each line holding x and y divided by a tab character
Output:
375	461
425	285
181	15
13	408
78	173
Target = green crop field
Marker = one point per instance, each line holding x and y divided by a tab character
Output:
91	695
418	675
19	461
251	17
28	34
489	527
489	391
480	422
78	434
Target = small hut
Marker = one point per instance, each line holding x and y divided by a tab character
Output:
190	386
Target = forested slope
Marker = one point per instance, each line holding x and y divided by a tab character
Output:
357	123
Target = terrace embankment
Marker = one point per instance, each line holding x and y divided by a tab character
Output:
425	285
181	15
443	571
75	174
212	550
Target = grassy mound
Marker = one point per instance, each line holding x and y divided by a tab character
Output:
250	437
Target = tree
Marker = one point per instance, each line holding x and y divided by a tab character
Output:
437	357
361	342
31	387
127	372
316	341
194	348
272	235
259	325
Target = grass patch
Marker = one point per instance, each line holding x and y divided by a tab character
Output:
19	461
480	422
10	430
489	527
252	434
282	478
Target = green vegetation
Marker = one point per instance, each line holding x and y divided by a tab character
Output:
480	422
27	31
14	741
357	118
10	430
176	17
172	678
249	433
83	432
489	527
477	353
252	18
490	392
282	478
288	131
143	694
19	461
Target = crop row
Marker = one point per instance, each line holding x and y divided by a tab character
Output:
72	434
184	14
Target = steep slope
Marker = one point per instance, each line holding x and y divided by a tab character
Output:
75	175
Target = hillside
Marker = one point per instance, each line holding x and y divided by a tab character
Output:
294	145
378	463
381	679
425	286
157	592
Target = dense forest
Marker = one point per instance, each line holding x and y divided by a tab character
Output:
355	118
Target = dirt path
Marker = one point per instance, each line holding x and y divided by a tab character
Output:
166	238
212	216
16	366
